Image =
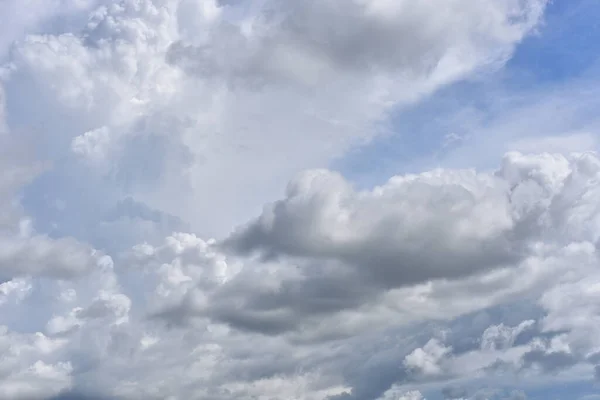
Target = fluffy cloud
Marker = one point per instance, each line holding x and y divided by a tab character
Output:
40	255
185	319
24	252
426	360
415	228
131	123
419	236
159	94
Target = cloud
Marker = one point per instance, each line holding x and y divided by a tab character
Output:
312	41
214	308
445	236
453	392
40	255
153	125
441	226
159	94
395	394
24	252
24	374
426	360
501	336
35	15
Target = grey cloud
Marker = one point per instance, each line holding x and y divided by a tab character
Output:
517	395
406	232
497	394
454	392
294	303
328	283
375	366
502	336
500	367
332	37
37	255
549	362
339	250
74	395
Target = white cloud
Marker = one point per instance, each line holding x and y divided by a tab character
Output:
24	252
426	360
440	225
144	116
24	374
182	88
33	16
501	337
40	255
98	325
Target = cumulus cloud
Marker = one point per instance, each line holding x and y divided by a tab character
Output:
187	307
159	94
426	360
24	374
24	252
414	228
430	229
40	255
152	125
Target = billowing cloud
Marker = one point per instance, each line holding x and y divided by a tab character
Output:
187	307
132	132
431	229
412	229
160	94
40	255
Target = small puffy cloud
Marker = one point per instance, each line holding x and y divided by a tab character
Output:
93	145
501	337
428	360
15	289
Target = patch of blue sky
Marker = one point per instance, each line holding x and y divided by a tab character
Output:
556	67
564	47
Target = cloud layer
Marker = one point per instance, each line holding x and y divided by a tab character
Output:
133	132
188	318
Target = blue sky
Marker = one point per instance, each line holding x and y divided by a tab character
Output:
560	54
316	200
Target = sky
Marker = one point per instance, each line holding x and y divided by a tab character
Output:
299	200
